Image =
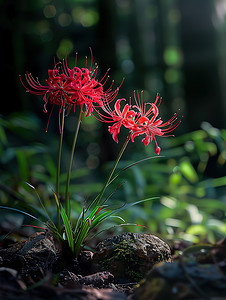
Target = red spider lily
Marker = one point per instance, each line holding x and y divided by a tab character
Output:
66	87
148	123
55	92
139	119
86	90
125	118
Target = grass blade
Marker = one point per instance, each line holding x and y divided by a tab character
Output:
66	222
43	206
22	212
111	227
107	214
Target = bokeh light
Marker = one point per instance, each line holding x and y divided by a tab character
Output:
49	11
66	46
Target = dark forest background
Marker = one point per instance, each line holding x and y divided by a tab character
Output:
173	47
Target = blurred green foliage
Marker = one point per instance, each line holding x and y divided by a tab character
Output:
157	46
191	183
188	178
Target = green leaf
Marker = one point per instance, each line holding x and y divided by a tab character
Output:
109	228
188	171
197	229
107	214
217	225
100	218
23	164
81	234
43	206
197	248
209	205
68	228
67	224
22	212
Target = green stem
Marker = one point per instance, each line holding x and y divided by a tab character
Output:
58	164
98	198
67	201
82	232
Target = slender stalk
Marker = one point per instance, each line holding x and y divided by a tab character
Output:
58	164
84	229
98	198
67	201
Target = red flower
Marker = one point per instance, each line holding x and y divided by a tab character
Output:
85	89
140	119
125	118
54	91
147	123
66	87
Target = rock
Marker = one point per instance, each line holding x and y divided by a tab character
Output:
99	279
12	287
84	262
187	280
129	256
38	252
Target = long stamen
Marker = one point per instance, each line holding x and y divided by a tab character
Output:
76	58
91	55
105	76
86	62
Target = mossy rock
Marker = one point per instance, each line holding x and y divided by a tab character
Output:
129	256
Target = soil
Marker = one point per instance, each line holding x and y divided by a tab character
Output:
36	268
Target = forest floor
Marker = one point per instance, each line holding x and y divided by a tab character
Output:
35	269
